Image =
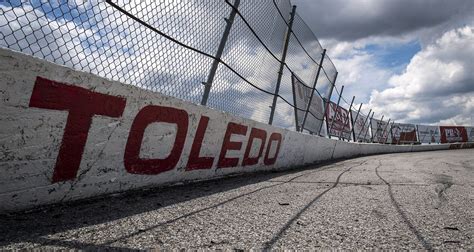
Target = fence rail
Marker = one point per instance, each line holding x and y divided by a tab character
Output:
237	56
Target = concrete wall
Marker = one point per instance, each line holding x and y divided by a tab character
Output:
66	135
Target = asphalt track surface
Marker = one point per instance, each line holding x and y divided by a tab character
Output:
410	201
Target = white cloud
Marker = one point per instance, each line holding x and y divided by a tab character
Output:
437	85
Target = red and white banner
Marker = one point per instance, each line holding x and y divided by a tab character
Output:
338	122
403	133
361	126
380	131
301	95
453	134
428	134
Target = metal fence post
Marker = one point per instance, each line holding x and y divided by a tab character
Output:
295	109
282	64
366	119
347	119
370	124
335	112
376	130
391	132
220	50
355	121
313	90
325	102
418	134
383	133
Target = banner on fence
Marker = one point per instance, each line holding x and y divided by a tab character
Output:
360	127
338	121
403	133
301	96
470	134
428	134
380	131
453	134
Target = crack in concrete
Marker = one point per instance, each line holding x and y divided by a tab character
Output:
89	166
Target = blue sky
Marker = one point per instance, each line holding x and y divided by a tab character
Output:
409	60
393	56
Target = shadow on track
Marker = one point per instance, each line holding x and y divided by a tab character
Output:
34	227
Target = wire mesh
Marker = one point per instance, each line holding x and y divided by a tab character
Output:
248	56
168	47
94	37
329	73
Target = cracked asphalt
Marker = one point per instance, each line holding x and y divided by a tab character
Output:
396	201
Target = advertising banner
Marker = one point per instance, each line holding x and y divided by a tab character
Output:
453	134
470	134
428	134
403	133
301	96
380	131
361	126
339	120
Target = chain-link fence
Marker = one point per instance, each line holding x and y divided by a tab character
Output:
238	56
170	47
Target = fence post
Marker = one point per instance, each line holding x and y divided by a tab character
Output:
295	108
418	134
383	133
376	130
391	132
355	121
325	102
347	119
220	50
313	90
366	119
335	112
370	124
282	64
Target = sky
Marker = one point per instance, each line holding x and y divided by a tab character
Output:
409	60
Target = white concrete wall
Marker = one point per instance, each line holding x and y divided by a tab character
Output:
32	135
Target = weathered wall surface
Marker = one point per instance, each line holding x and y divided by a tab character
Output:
67	135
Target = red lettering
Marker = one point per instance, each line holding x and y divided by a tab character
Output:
273	137
195	162
82	105
259	134
150	114
452	134
232	128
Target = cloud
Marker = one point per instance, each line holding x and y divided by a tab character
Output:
351	20
99	39
360	74
437	85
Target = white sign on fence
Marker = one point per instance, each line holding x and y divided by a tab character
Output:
403	133
361	126
380	131
428	134
338	122
302	94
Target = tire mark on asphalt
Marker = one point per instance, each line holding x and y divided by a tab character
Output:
143	230
269	244
402	213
